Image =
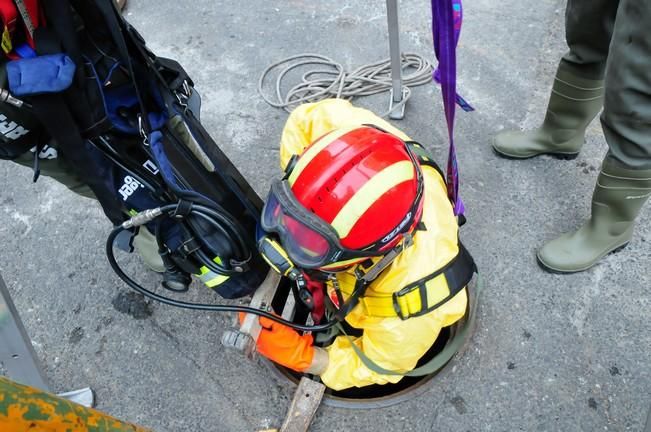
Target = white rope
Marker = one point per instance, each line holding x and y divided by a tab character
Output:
328	79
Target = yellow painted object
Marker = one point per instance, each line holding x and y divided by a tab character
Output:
25	409
389	341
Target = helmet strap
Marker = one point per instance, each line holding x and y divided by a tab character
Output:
365	279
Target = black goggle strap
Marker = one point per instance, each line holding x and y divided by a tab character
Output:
365	279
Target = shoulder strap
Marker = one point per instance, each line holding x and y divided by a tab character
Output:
440	360
457	273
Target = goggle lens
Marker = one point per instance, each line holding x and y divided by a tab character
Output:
307	240
302	243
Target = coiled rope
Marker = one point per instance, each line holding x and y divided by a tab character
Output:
329	79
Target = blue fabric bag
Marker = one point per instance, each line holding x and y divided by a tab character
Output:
43	74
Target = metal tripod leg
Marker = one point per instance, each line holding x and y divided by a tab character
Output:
397	94
17	355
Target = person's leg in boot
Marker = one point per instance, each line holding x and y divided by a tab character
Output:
53	165
577	92
624	183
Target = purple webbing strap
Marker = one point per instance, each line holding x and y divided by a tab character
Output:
446	26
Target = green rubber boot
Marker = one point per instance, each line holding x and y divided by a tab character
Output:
618	197
573	104
147	247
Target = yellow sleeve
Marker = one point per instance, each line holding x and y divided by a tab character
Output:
392	343
308	122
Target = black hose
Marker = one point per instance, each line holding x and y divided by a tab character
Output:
199	306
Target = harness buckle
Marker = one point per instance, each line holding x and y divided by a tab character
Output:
397	307
422	288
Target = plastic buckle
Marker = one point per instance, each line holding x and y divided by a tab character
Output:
396	306
306	297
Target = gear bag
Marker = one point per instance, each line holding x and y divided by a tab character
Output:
128	122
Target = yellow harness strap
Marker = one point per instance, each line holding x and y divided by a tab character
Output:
424	295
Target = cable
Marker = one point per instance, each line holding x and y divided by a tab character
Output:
186	305
333	81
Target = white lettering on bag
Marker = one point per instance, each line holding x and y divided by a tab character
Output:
10	129
129	187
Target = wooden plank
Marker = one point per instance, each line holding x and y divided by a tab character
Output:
304	405
244	339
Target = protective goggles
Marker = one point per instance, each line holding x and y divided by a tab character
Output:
309	241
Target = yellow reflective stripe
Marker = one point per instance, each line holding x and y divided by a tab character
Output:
372	190
210	278
315	149
218	280
205	269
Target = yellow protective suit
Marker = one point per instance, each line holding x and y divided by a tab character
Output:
391	342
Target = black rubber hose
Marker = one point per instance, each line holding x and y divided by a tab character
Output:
200	306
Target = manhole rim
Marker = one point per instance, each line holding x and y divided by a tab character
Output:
403	395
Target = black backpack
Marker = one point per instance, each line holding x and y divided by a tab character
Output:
128	122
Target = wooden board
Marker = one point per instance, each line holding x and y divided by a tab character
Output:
304	405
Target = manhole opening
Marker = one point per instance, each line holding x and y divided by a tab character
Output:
377	395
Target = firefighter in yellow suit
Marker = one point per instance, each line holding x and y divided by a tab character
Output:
388	340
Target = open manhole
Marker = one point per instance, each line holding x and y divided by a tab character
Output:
377	396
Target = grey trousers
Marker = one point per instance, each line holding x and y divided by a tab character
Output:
611	40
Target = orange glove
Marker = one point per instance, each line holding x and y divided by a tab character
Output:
283	345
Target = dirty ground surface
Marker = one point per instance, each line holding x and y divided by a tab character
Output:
551	353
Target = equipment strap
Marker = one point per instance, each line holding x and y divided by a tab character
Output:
446	27
439	360
365	279
424	295
53	113
113	24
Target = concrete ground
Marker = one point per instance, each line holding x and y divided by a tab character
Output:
551	353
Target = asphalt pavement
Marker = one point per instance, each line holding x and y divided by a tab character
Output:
550	353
